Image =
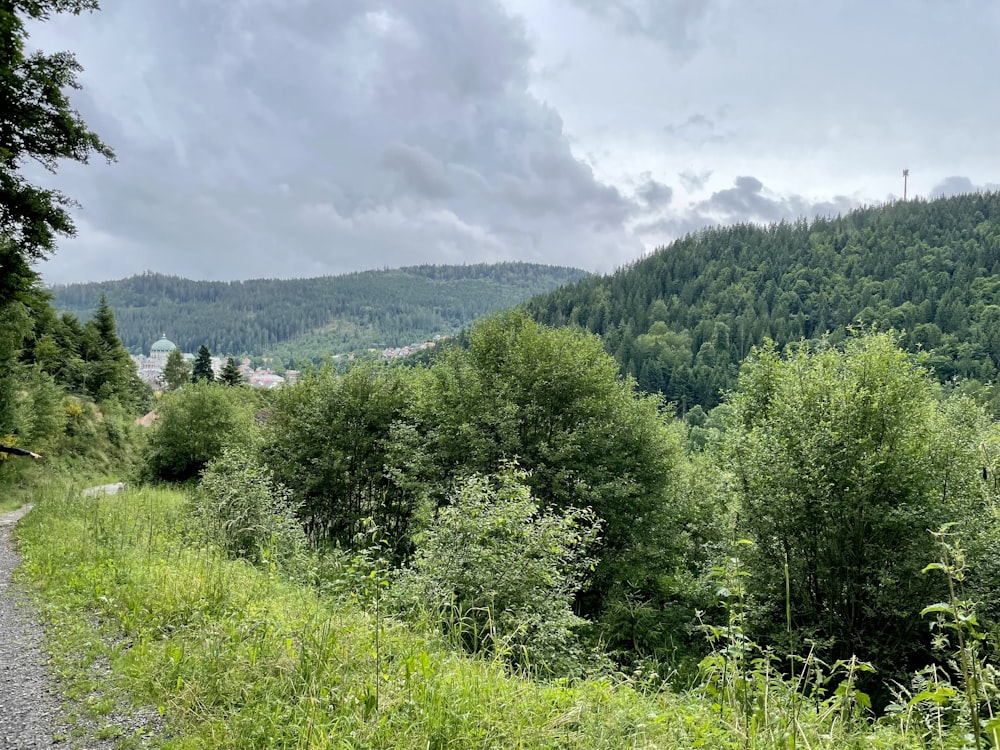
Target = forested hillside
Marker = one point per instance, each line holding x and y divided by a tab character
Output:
682	319
311	318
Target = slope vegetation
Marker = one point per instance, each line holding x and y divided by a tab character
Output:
683	318
311	318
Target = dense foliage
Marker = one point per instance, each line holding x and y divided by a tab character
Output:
329	439
298	320
552	400
193	426
242	509
389	444
682	319
52	368
504	574
843	459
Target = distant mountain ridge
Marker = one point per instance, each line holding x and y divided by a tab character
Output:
682	319
311	318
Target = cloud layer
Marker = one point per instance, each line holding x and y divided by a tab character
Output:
303	137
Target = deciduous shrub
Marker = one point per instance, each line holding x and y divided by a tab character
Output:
193	425
501	574
843	459
242	508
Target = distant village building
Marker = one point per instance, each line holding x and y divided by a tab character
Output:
263	377
161	349
150	369
406	351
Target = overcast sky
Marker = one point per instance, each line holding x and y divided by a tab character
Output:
278	138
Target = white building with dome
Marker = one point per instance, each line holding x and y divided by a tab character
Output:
161	349
150	368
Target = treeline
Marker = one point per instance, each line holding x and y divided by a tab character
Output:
66	386
535	506
683	319
310	319
53	369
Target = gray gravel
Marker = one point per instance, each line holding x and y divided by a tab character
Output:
29	709
33	713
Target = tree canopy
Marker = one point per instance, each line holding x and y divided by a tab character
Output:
39	124
681	320
844	458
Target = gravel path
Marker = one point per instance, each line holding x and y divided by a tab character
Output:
28	706
32	711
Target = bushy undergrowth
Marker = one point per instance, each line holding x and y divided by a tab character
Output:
193	426
235	656
500	574
241	507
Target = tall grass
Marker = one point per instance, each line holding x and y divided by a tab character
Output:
236	656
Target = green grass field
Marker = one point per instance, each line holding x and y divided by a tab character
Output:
233	656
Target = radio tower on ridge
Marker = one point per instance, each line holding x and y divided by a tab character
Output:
906	174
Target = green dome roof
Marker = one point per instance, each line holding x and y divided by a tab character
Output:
163	345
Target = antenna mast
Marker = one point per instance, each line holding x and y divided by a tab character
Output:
906	174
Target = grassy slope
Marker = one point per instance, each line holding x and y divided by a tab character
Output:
238	657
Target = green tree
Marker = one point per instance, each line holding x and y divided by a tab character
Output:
203	366
15	325
843	459
193	425
230	374
329	439
110	370
38	124
175	370
552	400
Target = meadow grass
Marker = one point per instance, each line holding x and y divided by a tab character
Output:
236	656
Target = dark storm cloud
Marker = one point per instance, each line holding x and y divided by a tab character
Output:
273	138
654	194
747	200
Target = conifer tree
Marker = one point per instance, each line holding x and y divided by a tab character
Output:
230	374
110	371
203	366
